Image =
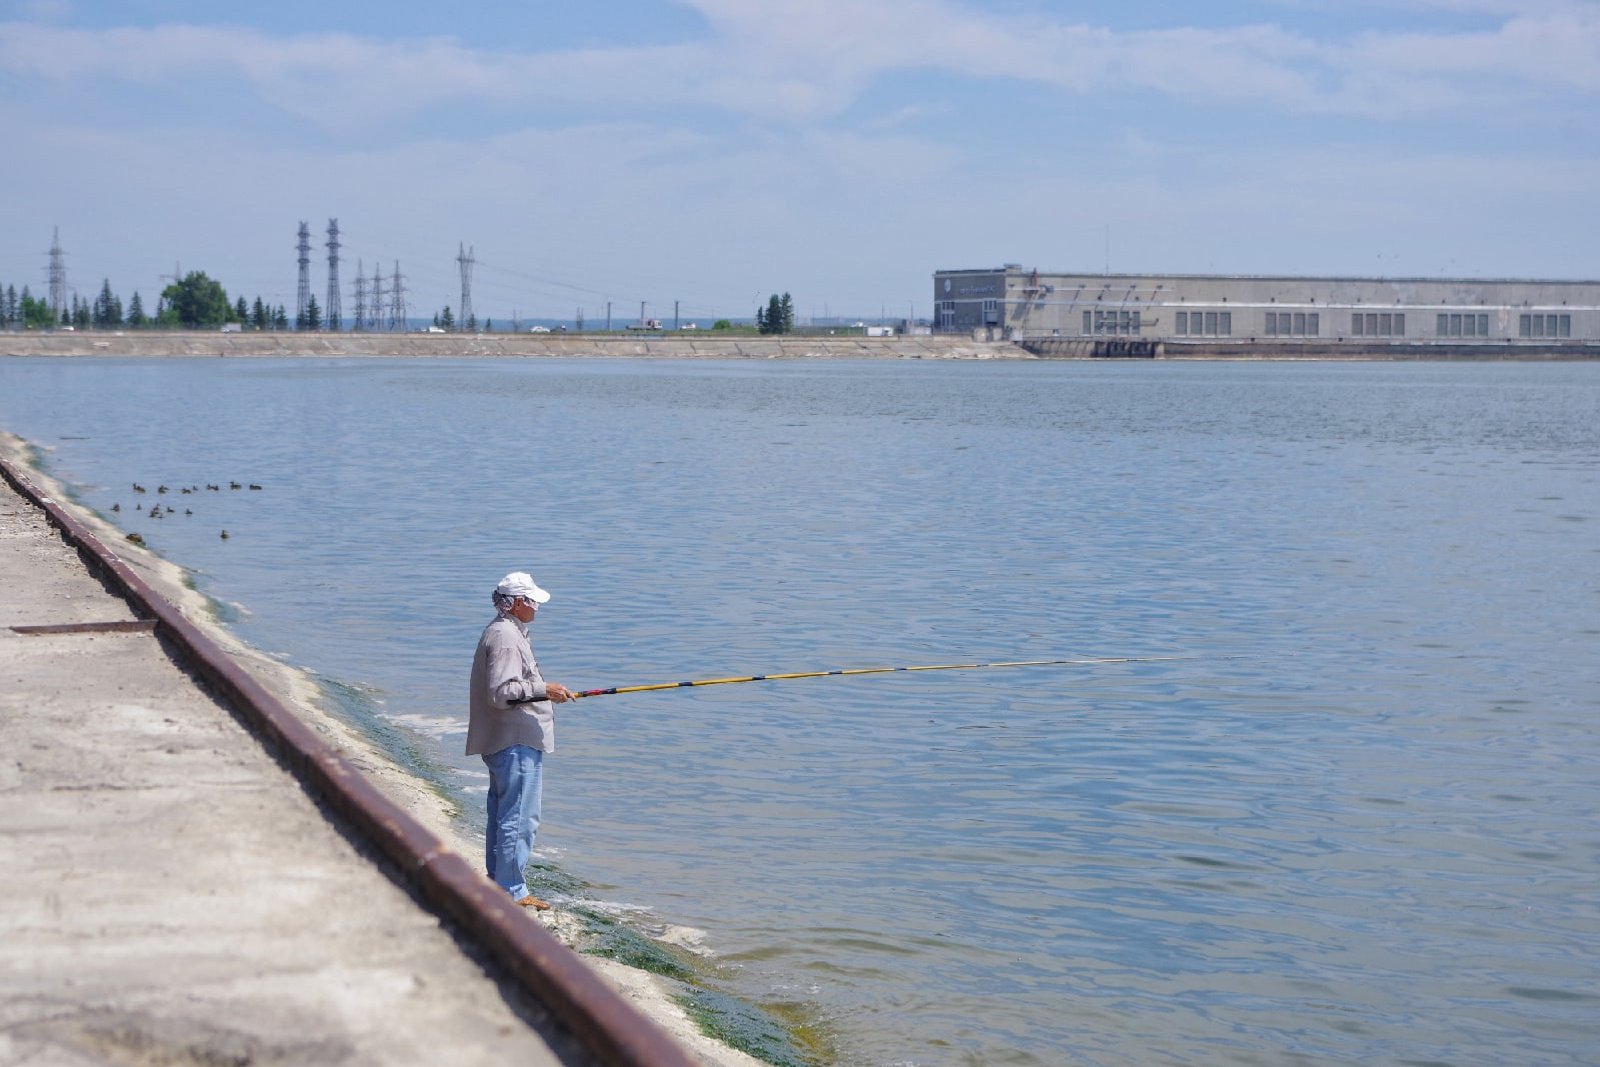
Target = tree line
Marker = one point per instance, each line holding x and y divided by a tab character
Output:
194	303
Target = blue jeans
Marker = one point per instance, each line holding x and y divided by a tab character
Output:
516	782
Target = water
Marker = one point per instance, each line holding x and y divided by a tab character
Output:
1357	825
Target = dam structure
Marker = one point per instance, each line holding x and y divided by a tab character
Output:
1214	315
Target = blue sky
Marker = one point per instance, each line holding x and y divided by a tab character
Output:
713	151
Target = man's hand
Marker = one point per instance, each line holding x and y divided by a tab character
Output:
557	693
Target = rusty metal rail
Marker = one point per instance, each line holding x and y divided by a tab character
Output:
611	1029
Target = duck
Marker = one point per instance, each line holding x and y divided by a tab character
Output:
116	507
161	489
235	485
137	488
224	535
254	486
213	488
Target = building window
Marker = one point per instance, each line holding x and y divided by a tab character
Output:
1202	323
1545	326
1293	324
1119	322
1378	324
1467	324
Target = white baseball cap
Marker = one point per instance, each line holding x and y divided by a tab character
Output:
517	583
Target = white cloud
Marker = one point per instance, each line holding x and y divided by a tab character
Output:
778	152
805	61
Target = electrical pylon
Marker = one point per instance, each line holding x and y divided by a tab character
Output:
57	275
303	300
376	295
331	314
397	300
360	321
465	259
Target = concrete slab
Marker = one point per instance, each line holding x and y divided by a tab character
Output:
169	894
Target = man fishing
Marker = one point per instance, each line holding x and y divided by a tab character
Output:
512	725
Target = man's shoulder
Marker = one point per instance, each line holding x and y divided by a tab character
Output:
500	629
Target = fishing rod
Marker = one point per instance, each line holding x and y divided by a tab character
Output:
873	670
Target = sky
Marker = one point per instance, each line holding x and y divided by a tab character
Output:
702	154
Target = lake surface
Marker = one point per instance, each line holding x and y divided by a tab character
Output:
1357	822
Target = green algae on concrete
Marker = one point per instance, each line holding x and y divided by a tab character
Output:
782	1035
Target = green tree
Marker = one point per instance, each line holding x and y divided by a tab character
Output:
241	311
136	316
471	325
258	315
81	316
10	310
777	316
107	312
194	303
447	321
313	315
280	320
36	314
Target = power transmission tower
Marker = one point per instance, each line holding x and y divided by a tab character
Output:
375	319
397	301
58	276
303	301
465	259
360	321
331	310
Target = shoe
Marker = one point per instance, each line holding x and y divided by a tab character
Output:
534	902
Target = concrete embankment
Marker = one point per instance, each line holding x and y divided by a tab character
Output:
713	346
1126	348
172	893
698	346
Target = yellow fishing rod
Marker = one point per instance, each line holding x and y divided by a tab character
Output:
872	670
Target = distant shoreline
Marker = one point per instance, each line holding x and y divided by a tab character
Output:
379	345
294	344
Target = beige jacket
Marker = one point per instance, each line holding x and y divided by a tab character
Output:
504	670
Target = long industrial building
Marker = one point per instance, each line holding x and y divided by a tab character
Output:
1141	314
